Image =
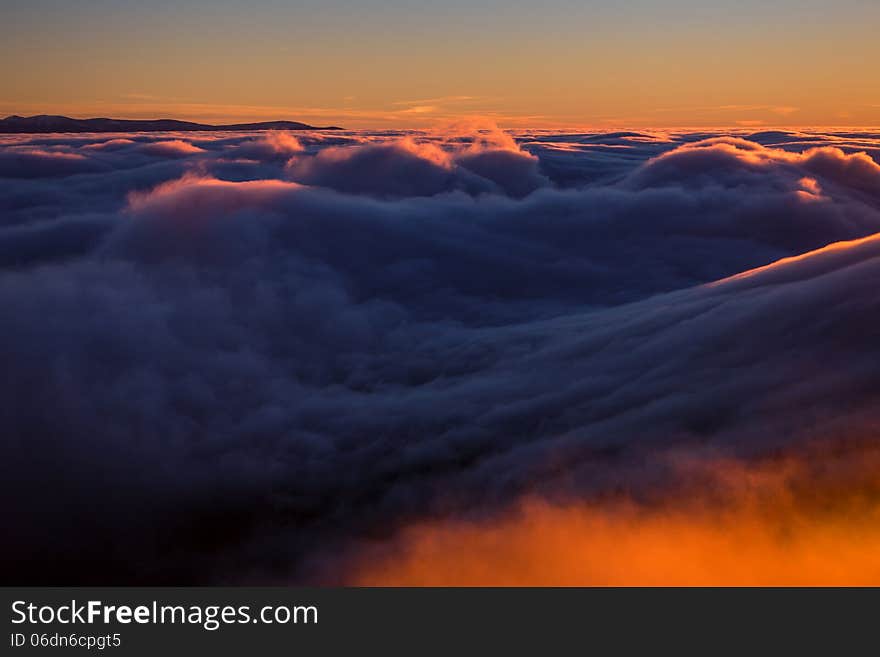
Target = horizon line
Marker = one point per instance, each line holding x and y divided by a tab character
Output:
488	119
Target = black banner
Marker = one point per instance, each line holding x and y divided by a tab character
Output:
285	621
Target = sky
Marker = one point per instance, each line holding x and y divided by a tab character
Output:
397	63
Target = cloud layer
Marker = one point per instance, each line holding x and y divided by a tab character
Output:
228	355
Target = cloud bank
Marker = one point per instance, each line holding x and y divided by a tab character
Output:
230	358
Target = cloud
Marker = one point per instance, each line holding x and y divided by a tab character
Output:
110	144
399	168
170	148
803	518
407	167
419	109
271	146
292	347
40	163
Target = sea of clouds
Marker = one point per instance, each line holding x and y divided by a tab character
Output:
229	357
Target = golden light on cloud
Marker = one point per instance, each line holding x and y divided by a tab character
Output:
793	521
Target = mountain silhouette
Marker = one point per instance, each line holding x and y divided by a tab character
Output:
45	124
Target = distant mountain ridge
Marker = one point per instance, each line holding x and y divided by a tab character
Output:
46	124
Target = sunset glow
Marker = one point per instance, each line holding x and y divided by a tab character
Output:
388	63
783	523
